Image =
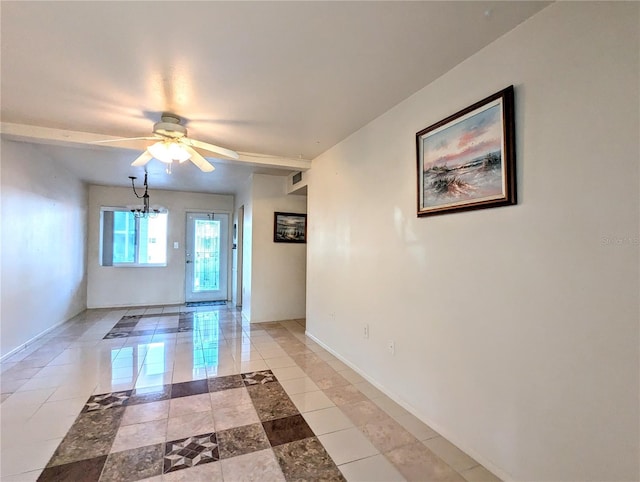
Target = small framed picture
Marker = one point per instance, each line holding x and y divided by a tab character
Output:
468	160
289	228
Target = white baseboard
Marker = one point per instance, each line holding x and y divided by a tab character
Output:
416	413
35	338
142	305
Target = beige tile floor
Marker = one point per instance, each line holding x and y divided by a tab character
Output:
367	435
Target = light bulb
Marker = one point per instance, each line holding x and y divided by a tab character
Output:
168	151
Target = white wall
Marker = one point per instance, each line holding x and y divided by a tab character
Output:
244	198
516	328
274	274
44	230
116	286
278	269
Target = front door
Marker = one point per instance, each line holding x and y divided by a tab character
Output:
207	256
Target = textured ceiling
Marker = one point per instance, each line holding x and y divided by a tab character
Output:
287	79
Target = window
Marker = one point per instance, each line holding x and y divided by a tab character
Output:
129	241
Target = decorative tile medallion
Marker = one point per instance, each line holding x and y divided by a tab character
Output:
260	377
126	327
276	422
106	400
190	451
252	432
130	317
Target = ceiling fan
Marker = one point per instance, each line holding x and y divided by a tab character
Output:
174	145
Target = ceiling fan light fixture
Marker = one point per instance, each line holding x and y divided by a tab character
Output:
168	151
172	144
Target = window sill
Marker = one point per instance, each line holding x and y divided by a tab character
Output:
136	265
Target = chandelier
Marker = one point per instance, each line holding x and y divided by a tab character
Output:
144	210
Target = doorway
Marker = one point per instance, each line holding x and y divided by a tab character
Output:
207	256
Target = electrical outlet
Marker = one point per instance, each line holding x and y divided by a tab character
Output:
366	330
391	346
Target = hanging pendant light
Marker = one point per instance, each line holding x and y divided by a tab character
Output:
145	210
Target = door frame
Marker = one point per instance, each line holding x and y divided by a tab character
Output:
229	245
239	254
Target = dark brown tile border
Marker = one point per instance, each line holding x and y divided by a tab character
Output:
87	470
271	401
289	429
307	459
150	394
242	440
135	464
185	389
91	435
225	382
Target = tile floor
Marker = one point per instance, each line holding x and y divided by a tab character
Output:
188	394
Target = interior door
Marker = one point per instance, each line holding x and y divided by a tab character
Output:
207	256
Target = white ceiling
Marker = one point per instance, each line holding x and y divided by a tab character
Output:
286	79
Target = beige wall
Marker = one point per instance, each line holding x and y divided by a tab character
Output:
110	286
44	230
515	328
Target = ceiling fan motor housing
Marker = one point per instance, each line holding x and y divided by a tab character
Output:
170	126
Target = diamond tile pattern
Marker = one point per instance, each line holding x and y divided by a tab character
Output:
107	400
190	451
176	393
258	378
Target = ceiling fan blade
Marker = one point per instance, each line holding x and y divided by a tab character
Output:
210	147
142	159
198	160
121	139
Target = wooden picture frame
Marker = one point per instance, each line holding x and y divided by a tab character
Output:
289	228
468	160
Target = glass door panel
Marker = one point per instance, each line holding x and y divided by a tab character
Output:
207	256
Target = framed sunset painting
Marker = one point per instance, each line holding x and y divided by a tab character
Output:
467	161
